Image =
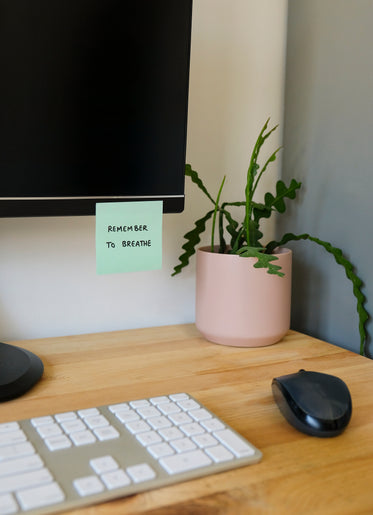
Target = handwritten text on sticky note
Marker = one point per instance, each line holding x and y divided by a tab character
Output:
128	236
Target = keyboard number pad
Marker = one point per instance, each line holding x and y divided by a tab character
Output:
180	433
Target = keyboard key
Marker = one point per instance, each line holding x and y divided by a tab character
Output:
200	414
8	505
88	485
169	408
8	427
212	424
122	406
183	445
103	464
16	450
159	422
63	417
73	426
139	404
106	433
204	440
171	433
19	465
12	437
192	429
97	421
219	453
127	416
185	461
139	426
179	397
83	438
188	404
49	430
115	479
141	472
148	411
90	412
29	479
160	450
39	421
56	443
40	496
149	438
235	443
159	400
180	418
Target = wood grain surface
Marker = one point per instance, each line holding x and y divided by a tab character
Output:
298	474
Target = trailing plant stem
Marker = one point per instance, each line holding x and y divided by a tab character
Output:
345	263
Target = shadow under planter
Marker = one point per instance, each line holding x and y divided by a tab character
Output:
239	305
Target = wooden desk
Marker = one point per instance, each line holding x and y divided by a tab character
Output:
298	473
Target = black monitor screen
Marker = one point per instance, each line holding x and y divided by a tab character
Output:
93	103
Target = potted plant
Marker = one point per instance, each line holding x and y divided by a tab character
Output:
243	286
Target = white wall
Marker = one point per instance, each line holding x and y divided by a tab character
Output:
48	281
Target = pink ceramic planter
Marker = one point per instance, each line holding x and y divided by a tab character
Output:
237	304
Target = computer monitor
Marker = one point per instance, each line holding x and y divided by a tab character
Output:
93	108
93	104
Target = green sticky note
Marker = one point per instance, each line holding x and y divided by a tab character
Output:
128	236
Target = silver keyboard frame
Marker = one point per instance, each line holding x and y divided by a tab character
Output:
66	465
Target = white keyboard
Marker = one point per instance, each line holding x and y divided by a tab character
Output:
66	460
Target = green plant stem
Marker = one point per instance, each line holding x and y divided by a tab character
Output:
249	197
269	160
215	213
251	184
343	261
253	167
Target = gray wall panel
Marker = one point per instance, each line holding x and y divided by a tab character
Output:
328	145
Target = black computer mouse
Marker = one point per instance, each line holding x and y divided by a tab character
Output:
315	403
20	370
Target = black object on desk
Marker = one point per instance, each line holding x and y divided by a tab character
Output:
315	403
20	370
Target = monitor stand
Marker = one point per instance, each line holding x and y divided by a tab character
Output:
20	370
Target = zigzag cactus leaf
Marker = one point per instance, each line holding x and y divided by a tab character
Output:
357	283
282	192
189	172
263	260
193	240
